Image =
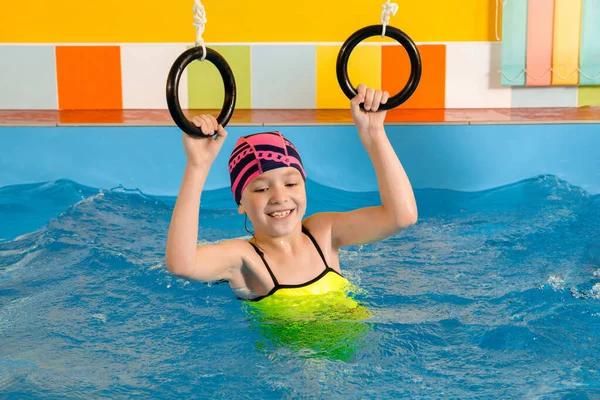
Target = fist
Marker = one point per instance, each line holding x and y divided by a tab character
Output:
370	119
202	151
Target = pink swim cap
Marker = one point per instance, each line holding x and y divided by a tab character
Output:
259	153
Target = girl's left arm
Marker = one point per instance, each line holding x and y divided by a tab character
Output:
398	209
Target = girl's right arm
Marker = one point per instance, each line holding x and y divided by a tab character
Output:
183	255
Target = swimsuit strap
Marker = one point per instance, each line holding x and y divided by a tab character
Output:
312	239
262	256
307	233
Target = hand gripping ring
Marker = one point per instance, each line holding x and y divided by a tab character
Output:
177	69
400	37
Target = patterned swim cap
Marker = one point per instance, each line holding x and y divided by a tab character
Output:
259	153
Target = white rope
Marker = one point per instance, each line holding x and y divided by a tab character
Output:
550	70
387	9
199	22
509	79
498	16
591	78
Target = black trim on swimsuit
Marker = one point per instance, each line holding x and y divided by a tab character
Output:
262	256
294	286
307	233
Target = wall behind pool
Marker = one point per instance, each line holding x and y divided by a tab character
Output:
76	54
457	157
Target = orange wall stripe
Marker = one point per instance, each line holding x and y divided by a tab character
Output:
431	92
89	78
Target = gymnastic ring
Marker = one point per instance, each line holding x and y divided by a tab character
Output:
195	53
400	37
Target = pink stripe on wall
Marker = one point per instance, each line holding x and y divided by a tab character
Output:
540	22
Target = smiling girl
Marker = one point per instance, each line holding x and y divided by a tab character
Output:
288	255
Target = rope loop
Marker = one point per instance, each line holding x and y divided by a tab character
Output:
387	9
199	23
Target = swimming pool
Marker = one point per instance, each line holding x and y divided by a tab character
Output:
495	292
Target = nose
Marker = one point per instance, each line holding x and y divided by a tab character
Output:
277	195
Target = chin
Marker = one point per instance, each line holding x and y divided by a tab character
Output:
283	229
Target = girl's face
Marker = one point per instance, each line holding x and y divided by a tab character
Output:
275	201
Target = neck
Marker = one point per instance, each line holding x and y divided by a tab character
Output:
279	244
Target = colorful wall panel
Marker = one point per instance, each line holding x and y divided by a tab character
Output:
472	80
144	70
293	76
113	55
284	76
589	96
89	77
590	43
536	97
565	50
514	42
28	78
205	85
431	92
364	66
540	23
559	45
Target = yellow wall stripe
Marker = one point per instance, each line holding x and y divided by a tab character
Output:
159	21
364	66
567	30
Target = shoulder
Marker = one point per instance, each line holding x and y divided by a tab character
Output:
232	259
238	248
249	258
228	256
251	273
319	224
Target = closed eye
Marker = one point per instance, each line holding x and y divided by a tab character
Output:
291	184
260	190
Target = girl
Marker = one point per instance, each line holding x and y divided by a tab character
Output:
287	255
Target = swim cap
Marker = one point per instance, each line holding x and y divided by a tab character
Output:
259	153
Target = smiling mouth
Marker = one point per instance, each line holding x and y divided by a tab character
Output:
280	214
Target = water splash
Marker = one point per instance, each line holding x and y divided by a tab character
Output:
455	298
556	283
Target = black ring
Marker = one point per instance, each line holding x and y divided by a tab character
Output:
400	37
195	53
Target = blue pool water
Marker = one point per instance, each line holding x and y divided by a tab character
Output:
492	294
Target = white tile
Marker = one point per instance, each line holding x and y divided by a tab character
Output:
144	71
472	79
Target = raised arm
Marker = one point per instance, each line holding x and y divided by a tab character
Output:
183	256
398	209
